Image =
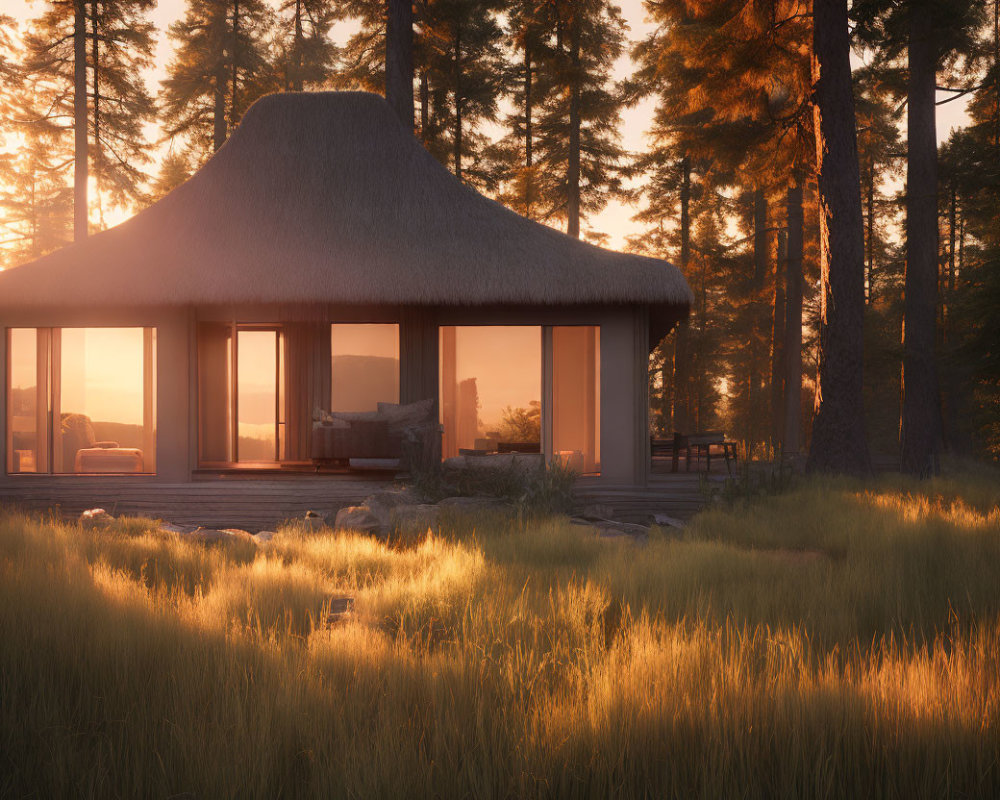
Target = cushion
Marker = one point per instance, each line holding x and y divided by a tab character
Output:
402	416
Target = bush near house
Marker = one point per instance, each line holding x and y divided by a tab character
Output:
839	640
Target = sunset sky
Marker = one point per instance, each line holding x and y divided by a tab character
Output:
615	220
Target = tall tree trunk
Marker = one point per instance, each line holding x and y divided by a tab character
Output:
235	55
425	107
219	128
399	60
457	134
528	143
838	439
870	237
682	339
996	73
529	181
80	120
296	83
95	68
921	426
759	238
573	165
778	345
792	406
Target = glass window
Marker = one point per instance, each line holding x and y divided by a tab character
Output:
576	397
101	382
491	389
364	366
258	394
27	401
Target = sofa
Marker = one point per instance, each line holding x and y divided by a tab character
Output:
81	449
392	437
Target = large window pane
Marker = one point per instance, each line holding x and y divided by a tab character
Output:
576	397
364	366
257	394
103	397
27	411
491	388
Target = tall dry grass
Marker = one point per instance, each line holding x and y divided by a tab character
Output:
836	641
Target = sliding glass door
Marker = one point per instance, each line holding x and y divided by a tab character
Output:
522	389
241	394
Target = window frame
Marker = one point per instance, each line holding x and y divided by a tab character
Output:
49	368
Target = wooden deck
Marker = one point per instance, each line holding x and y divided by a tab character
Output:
679	495
262	502
243	502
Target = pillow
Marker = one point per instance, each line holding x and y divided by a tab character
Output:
401	416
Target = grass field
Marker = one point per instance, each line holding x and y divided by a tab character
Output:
833	641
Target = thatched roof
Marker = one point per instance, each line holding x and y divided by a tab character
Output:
325	197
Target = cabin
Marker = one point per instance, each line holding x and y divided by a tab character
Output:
317	309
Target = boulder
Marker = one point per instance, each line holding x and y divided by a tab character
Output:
263	537
389	499
173	527
358	518
95	518
414	518
213	536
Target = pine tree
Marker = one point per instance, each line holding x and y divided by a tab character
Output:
933	35
839	442
465	65
732	89
530	37
36	199
578	127
95	52
306	57
221	65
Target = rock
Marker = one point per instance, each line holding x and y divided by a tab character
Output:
263	537
358	518
211	536
598	511
414	518
239	533
391	498
172	527
669	522
95	518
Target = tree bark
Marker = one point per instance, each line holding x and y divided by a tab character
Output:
573	165
425	107
921	425
778	345
95	68
236	64
759	238
682	339
457	134
838	441
296	83
80	121
399	60
792	406
219	128
870	237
